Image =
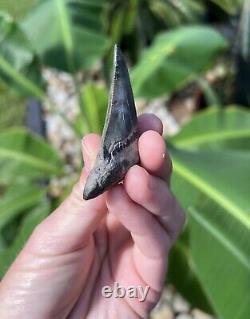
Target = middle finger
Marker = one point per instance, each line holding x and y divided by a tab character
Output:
153	194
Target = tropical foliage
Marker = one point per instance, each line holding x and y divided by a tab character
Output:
169	45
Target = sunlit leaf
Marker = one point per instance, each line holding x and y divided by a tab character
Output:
12	109
17	199
174	13
219	225
174	59
31	220
24	155
216	128
94	106
68	33
231	6
182	274
225	270
16	11
19	66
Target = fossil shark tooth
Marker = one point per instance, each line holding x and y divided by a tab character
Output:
119	147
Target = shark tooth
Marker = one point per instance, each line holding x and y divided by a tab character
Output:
119	146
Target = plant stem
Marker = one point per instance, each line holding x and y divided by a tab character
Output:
21	80
86	126
66	33
210	95
33	90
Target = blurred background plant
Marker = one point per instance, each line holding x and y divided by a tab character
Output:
190	63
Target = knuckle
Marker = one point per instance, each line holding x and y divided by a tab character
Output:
38	231
150	189
38	237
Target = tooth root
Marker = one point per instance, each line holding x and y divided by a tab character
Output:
119	149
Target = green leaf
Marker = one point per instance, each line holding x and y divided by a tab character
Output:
231	6
182	274
186	194
225	271
12	109
228	167
25	155
75	32
175	13
19	66
216	128
17	199
2	243
120	19
219	225
16	11
116	27
32	219
174	59
94	105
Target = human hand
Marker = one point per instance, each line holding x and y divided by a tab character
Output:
122	236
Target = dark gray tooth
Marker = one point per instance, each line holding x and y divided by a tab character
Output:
119	147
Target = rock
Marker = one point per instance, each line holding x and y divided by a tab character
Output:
198	314
180	304
168	294
184	316
158	107
164	313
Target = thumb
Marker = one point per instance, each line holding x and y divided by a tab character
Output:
69	227
49	273
90	147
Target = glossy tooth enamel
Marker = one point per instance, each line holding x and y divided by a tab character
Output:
119	147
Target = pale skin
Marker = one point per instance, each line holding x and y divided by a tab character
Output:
121	236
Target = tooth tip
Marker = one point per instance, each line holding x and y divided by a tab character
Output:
118	56
116	48
87	196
